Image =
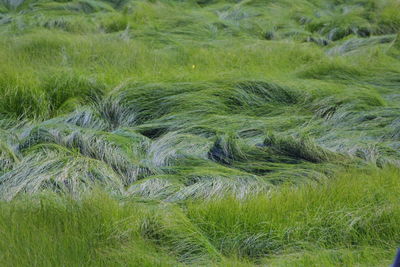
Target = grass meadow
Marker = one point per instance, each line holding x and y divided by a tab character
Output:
199	132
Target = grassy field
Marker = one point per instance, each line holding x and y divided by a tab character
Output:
199	132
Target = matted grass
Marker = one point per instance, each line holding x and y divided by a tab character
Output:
220	132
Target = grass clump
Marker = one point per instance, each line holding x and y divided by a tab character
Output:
60	171
302	147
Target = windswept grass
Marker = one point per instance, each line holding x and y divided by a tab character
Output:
221	133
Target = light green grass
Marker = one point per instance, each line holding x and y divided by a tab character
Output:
349	220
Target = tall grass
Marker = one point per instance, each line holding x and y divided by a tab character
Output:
221	132
351	219
356	209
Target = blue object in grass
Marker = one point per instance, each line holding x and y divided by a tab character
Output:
396	262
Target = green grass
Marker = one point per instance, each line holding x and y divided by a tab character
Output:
349	220
218	132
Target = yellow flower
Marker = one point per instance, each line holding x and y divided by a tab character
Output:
193	66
